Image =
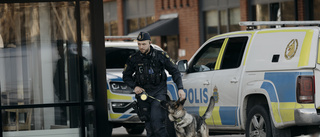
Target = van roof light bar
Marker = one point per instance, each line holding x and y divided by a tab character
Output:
119	37
252	24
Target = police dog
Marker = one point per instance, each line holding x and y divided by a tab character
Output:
189	125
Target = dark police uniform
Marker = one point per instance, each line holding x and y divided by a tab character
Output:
148	72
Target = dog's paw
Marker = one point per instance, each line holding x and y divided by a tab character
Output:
171	117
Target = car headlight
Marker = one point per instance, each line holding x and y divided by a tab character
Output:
120	87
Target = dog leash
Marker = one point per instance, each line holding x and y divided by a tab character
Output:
144	96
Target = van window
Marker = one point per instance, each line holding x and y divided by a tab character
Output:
117	57
206	59
234	52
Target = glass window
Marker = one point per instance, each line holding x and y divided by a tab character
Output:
42	61
207	57
64	121
117	57
142	22
223	21
114	28
287	11
106	29
139	23
150	20
211	23
233	53
234	19
133	25
280	11
316	7
262	12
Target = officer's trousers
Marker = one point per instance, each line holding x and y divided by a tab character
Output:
155	126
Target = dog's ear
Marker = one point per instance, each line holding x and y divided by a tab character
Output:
182	101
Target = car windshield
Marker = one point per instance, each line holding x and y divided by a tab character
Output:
116	57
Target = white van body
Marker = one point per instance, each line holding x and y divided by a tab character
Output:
267	76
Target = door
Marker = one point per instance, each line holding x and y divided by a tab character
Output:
197	82
226	80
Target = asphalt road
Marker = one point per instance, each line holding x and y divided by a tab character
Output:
121	132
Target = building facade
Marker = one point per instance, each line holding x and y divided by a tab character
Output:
199	20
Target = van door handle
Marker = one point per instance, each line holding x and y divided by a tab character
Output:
206	82
234	80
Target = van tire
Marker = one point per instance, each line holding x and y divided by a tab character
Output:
258	114
135	130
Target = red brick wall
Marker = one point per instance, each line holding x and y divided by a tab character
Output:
244	13
300	5
120	6
189	36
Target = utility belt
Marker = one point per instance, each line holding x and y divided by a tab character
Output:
155	78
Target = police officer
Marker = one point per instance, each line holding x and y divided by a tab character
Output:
145	72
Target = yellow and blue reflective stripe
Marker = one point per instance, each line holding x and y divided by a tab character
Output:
281	88
305	49
119	116
221	115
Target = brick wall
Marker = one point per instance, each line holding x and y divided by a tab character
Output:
244	12
188	12
120	6
300	5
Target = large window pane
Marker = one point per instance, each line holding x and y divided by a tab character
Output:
287	11
133	25
262	12
234	19
211	23
223	21
39	61
46	122
316	7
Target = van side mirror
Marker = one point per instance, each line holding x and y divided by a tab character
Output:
182	65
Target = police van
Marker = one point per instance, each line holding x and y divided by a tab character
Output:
120	96
263	80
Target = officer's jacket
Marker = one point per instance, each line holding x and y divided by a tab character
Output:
139	67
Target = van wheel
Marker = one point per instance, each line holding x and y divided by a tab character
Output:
135	130
258	123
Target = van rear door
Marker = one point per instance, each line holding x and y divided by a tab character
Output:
317	78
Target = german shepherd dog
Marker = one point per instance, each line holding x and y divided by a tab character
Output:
189	125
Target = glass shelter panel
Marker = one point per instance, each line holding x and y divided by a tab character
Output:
38	57
46	122
46	60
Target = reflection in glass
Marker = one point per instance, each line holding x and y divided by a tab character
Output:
262	14
39	60
133	25
234	19
223	21
211	23
40	63
316	7
43	120
139	23
287	11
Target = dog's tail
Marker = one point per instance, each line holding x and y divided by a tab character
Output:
208	112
